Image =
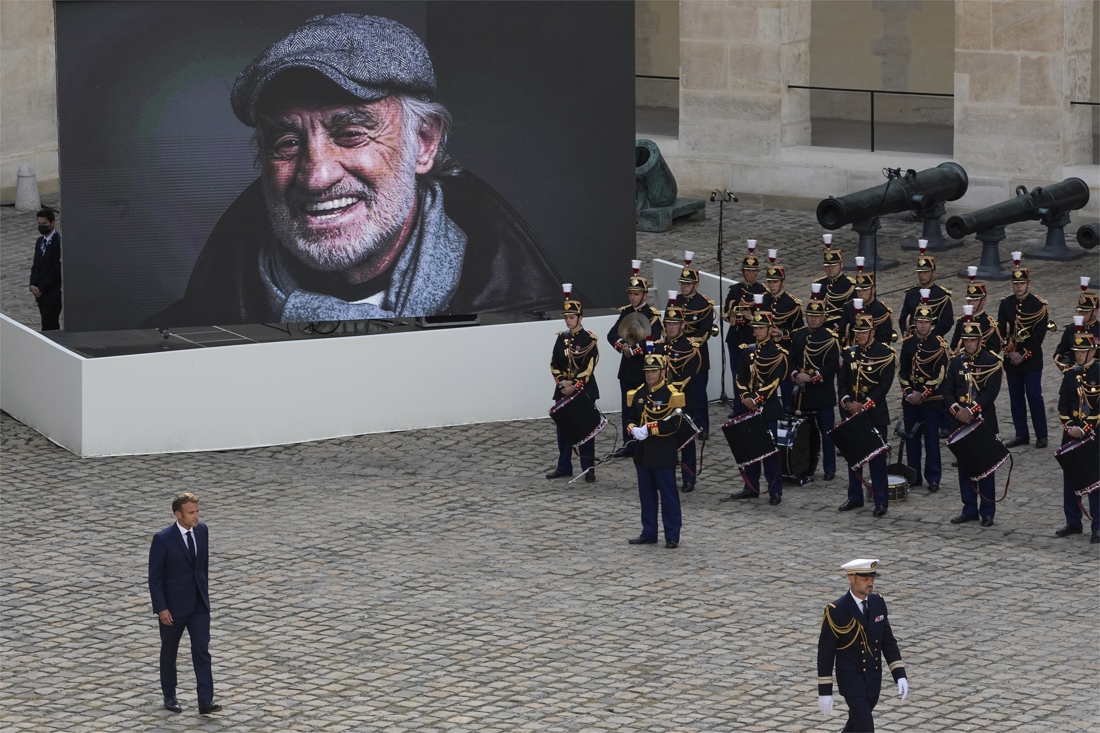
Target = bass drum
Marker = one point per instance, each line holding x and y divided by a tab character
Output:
799	445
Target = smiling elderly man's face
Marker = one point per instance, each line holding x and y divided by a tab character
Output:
339	178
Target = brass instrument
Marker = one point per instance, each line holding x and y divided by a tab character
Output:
634	329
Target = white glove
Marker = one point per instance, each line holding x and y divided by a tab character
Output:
640	433
825	704
903	687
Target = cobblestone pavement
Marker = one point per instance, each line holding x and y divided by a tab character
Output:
433	581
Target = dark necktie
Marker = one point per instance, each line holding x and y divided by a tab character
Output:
191	544
863	602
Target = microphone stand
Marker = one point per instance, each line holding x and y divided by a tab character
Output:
722	198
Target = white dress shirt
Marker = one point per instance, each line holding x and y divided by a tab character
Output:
859	604
194	537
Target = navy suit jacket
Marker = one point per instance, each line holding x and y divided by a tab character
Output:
177	582
857	646
46	270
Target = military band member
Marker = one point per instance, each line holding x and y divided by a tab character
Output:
765	366
682	364
654	424
869	305
815	360
939	299
970	388
1079	411
974	312
786	313
866	379
836	288
630	362
1022	321
573	364
921	370
856	635
738	308
1085	320
699	324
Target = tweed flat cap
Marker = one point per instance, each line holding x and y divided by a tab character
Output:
366	56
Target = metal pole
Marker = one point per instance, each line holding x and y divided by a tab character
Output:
721	297
873	133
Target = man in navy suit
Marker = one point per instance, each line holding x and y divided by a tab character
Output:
855	634
179	563
45	283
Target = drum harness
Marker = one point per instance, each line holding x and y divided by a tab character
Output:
754	377
972	383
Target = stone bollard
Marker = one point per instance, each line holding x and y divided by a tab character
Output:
26	190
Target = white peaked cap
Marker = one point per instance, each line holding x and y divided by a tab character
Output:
860	567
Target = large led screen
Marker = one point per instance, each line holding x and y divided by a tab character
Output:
248	162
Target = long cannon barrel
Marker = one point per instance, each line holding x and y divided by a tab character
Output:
1087	236
945	182
1067	195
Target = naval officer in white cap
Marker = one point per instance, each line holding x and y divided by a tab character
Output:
855	634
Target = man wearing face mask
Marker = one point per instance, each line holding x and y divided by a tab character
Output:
45	283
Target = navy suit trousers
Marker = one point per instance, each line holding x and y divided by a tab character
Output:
1025	391
587	453
930	416
198	629
859	714
986	487
659	484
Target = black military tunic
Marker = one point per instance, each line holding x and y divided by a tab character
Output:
923	367
816	353
737	310
868	374
974	380
684	362
884	322
655	409
787	314
761	371
574	358
856	643
630	367
1022	323
836	292
698	322
1063	354
939	300
1079	399
991	339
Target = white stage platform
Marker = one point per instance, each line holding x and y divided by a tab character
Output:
295	391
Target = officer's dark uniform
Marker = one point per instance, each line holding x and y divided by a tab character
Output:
786	312
939	300
630	363
973	382
1063	354
737	311
866	377
857	641
683	363
1079	406
991	339
922	368
761	372
698	324
1023	325
879	311
836	292
574	358
816	352
655	456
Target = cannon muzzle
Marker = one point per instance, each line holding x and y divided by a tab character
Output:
945	182
1040	203
1087	236
654	183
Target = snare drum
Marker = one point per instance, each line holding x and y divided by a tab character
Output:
1080	460
977	450
897	489
857	440
749	438
798	449
578	417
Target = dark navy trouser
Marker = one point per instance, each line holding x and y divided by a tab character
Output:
587	453
658	485
772	473
1026	391
930	416
987	488
198	629
878	478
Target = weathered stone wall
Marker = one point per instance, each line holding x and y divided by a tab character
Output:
657	52
28	94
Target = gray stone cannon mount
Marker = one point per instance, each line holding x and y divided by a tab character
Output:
655	202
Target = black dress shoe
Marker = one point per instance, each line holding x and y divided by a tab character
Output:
962	519
849	506
688	487
1095	539
590	477
933	486
775	499
671	545
1068	530
880	510
557	474
205	708
829	476
171	703
1018	441
744	494
623	452
987	521
1040	442
642	541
